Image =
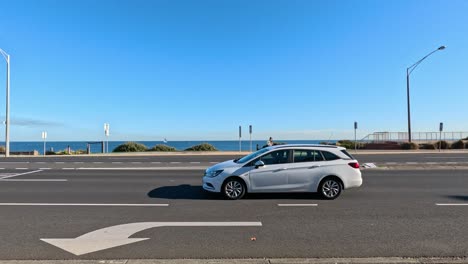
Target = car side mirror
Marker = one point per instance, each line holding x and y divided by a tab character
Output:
259	164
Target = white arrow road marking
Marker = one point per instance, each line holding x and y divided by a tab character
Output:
19	174
118	235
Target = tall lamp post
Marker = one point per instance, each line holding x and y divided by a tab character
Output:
7	114
409	70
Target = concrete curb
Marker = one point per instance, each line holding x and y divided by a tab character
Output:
390	260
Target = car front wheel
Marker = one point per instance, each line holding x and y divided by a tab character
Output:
233	189
330	188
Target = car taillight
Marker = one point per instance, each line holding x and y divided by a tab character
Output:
354	165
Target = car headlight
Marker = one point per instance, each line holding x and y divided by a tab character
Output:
214	173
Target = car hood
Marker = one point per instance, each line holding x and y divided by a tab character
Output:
224	165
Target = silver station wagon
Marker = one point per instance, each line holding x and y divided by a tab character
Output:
286	168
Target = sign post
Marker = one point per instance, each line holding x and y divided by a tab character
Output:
355	139
240	136
441	128
44	137
250	132
106	133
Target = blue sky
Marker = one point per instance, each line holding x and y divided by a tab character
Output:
196	70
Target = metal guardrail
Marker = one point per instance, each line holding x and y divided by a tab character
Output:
420	137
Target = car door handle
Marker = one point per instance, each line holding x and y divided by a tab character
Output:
281	169
314	167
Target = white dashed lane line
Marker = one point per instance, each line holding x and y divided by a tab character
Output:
452	204
297	205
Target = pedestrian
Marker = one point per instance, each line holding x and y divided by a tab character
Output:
270	142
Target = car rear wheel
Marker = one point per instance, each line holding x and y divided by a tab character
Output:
330	188
233	189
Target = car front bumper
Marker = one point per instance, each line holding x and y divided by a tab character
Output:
212	184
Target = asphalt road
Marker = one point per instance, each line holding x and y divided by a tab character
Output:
203	161
393	214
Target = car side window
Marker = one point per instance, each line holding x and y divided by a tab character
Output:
329	155
276	157
305	155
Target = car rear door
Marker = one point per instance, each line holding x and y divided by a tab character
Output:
306	170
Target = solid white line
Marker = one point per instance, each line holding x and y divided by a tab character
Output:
146	168
33	180
285	205
82	204
68	168
452	204
19	174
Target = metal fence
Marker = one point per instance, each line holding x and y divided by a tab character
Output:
420	137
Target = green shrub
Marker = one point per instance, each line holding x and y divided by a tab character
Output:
409	145
458	145
162	147
427	146
202	147
80	151
2	149
350	144
130	147
48	152
63	152
444	144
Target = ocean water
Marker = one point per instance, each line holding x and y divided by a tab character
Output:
229	145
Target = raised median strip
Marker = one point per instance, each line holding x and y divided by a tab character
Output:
389	260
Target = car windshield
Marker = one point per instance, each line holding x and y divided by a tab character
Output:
251	156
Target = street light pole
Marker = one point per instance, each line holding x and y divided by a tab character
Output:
7	114
409	70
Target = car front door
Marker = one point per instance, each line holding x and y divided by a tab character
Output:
273	176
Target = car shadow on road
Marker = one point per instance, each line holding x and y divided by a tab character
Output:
196	192
458	197
184	191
